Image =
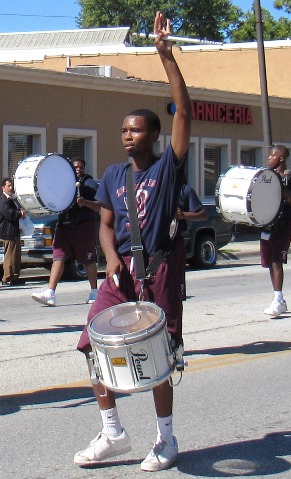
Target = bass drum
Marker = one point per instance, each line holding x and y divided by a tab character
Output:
131	347
249	195
45	184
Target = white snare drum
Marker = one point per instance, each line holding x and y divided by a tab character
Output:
131	347
249	195
45	184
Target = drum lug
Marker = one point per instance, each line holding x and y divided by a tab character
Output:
178	351
94	376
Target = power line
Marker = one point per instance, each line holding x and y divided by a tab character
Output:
34	15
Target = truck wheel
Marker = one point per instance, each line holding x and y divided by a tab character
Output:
75	270
205	255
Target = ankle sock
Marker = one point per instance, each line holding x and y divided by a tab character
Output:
165	429
111	422
278	296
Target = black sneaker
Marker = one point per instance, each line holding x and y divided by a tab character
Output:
14	282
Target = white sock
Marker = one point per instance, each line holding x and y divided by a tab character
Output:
278	295
165	429
111	422
51	291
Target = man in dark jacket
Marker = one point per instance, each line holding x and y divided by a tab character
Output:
10	213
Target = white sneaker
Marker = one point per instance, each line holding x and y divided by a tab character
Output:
276	308
45	297
92	296
162	456
102	447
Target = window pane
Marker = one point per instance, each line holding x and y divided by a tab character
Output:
211	169
73	147
248	157
19	146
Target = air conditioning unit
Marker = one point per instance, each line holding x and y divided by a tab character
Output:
96	70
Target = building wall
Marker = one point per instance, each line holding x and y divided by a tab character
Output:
228	68
50	103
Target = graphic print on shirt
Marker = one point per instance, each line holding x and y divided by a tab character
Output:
141	197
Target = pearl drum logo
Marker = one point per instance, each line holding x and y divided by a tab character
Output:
139	360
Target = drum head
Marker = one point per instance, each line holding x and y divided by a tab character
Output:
264	200
126	323
55	183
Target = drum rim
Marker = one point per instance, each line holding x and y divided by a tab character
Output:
248	199
42	206
113	340
252	220
35	182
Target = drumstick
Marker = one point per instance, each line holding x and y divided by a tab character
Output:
115	279
78	184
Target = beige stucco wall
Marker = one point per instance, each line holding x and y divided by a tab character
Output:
60	100
234	70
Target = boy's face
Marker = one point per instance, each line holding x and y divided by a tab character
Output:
136	137
275	158
79	168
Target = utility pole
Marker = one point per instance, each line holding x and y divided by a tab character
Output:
266	122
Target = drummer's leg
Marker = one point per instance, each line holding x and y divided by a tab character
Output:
113	439
163	398
57	270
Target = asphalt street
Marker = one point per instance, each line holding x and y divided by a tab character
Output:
232	407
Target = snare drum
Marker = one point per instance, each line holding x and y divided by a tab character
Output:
249	195
131	347
45	184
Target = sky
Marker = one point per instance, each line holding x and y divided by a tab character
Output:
35	15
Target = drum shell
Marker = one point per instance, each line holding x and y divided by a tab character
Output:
249	195
136	360
45	183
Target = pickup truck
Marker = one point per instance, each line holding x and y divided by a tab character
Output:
202	239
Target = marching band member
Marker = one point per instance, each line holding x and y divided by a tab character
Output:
157	185
275	241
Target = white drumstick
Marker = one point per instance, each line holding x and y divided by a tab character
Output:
78	184
115	279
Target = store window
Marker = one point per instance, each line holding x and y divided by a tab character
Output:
215	161
211	169
248	157
19	146
20	142
78	142
73	147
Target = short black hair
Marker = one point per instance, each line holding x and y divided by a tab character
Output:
284	150
149	116
79	159
4	181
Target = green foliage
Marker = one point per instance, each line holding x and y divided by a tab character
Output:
272	29
218	20
283	5
191	18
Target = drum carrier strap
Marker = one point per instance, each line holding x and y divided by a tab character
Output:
136	243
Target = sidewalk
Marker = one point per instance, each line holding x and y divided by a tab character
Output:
244	245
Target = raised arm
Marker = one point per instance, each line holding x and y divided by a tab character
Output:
182	117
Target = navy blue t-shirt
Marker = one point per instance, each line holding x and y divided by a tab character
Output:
188	201
156	190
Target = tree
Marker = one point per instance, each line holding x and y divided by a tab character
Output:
192	18
283	5
245	31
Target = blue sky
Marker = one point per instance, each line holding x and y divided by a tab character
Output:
33	15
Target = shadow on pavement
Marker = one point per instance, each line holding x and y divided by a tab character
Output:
52	330
246	458
259	347
74	396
